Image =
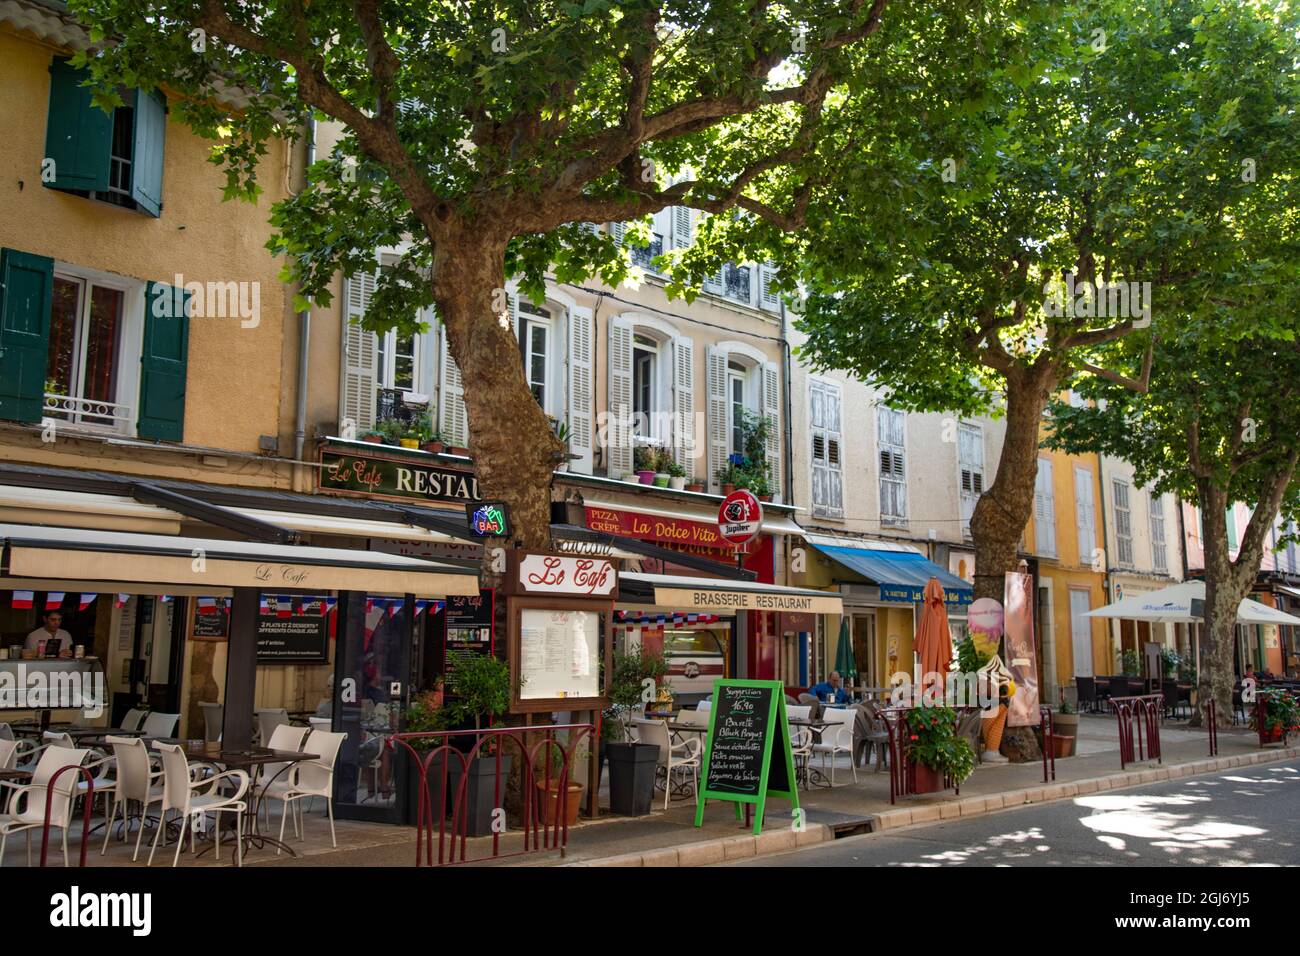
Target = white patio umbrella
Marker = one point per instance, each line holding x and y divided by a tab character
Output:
1185	604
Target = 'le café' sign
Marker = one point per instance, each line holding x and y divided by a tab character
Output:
561	574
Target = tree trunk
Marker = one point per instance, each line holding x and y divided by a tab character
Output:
1003	511
515	452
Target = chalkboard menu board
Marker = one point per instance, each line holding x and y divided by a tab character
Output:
747	753
468	628
211	620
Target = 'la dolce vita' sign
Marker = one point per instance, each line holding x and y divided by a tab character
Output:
562	574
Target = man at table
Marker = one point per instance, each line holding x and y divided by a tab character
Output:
51	632
829	691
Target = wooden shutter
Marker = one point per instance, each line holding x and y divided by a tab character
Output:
164	362
1083	508
149	134
618	434
78	134
453	420
682	231
771	398
1044	509
716	387
26	295
581	388
360	355
827	474
683	437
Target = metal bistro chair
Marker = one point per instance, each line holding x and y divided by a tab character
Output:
683	756
1086	691
801	741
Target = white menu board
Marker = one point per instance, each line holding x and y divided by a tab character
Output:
559	654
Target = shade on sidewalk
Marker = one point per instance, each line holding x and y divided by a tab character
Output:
844	660
933	641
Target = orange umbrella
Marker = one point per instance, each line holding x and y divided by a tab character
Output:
933	642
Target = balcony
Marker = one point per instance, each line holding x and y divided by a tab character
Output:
737	283
643	256
88	413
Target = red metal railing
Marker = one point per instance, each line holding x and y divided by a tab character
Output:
1212	725
1137	713
493	744
89	797
1047	728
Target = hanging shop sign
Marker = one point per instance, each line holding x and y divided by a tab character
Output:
488	519
740	516
747	755
722	598
372	475
560	574
679	534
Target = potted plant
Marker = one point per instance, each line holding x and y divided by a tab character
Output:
391	430
561	430
430	440
631	765
1279	713
548	791
696	484
644	460
676	474
663	460
1065	728
372	436
727	477
426	715
1130	664
935	749
480	688
1169	662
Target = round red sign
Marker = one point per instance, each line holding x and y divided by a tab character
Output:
740	517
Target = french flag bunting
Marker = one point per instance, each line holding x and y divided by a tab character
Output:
165	598
394	606
121	600
420	605
372	603
86	601
283	605
54	600
263	605
207	605
22	600
328	604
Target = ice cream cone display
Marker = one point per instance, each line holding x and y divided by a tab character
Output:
993	728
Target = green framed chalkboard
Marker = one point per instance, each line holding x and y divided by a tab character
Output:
747	755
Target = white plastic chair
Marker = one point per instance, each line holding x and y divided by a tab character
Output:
682	756
27	803
267	720
704	706
837	738
213	716
133	719
6	732
313	778
134	784
284	737
693	718
182	794
319	723
160	725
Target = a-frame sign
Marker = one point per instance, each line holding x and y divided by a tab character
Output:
747	755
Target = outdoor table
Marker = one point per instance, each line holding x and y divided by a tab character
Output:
249	761
15	774
805	771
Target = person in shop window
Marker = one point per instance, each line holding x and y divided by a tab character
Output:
50	631
829	691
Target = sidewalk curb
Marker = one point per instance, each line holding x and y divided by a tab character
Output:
705	852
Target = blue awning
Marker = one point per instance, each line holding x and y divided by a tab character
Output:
902	575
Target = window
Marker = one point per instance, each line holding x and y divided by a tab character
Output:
824	425
1159	554
535	349
736	407
398	357
81	372
644	256
1123	523
1044	510
1085	514
970	460
891	426
737	283
645	369
116	158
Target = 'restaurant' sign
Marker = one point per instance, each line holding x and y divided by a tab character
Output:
561	574
722	599
377	476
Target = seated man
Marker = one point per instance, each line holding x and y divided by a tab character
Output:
829	691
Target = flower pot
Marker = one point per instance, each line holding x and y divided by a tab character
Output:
728	488
480	793
645	476
413	443
677	484
1065	728
631	777
661	479
1272	734
373	439
695	486
764	497
458	450
1064	746
433	447
548	799
633	477
927	780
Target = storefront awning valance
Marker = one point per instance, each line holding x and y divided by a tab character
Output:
712	594
901	574
110	556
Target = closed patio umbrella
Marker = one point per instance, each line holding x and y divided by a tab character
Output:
933	641
844	660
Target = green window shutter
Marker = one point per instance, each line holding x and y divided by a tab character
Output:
163	362
26	290
78	134
147	151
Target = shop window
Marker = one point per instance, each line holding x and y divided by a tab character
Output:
113	157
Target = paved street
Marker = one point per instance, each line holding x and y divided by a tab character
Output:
1244	817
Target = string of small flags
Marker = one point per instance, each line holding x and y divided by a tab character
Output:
677	617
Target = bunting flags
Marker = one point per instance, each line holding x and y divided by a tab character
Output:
263	606
207	605
86	601
675	618
329	603
283	605
394	606
54	600
22	600
121	600
165	598
424	604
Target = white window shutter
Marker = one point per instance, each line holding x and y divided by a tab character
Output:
682	232
618	433
767	295
684	444
713	283
618	230
360	355
716	369
1086	527
771	385
453	422
581	388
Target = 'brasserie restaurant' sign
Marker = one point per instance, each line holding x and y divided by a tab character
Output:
348	473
